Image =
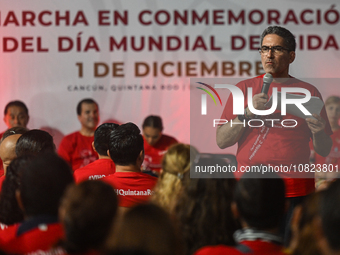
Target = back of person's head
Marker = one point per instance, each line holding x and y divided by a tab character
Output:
102	137
14	131
203	210
330	215
153	121
288	37
126	144
260	200
87	212
17	103
303	240
175	164
34	142
147	228
85	101
43	184
10	212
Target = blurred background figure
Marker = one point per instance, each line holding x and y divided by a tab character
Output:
42	186
174	174
7	148
145	229
16	114
104	165
327	232
34	142
203	210
87	212
155	143
10	212
303	240
259	205
76	148
332	161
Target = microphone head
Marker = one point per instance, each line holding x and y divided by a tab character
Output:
268	78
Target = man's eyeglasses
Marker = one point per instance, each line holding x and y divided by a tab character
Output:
274	49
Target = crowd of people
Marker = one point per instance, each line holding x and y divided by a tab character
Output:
115	189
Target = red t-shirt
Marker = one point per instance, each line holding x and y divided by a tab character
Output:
95	170
35	237
77	150
2	172
217	250
154	154
131	187
251	247
277	145
2	178
334	156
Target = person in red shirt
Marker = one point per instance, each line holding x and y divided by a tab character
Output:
15	115
272	143
103	166
156	143
127	152
323	178
42	185
76	148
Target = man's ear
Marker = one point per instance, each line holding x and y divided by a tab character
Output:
94	147
108	153
291	56
141	155
19	200
140	158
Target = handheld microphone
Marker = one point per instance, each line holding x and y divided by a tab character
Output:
267	80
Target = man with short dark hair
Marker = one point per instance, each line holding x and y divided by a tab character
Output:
273	144
76	148
42	185
16	114
259	205
103	166
126	149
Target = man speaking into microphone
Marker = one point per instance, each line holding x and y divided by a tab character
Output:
274	144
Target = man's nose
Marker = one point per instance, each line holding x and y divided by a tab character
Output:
270	53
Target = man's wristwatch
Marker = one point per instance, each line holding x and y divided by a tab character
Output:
243	116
